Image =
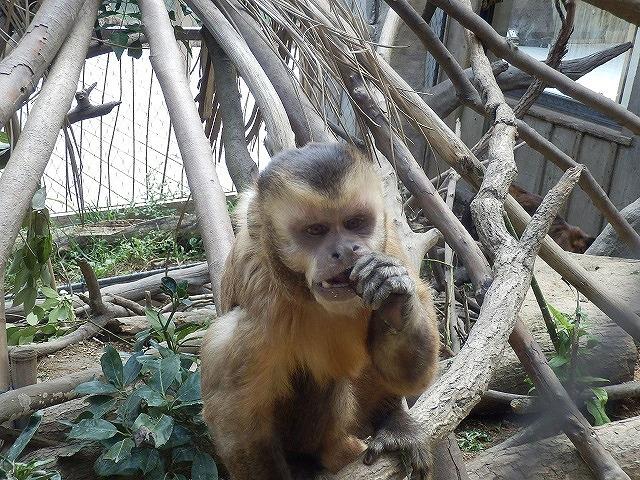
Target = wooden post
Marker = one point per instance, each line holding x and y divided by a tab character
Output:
24	371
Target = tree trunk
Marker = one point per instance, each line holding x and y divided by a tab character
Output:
556	459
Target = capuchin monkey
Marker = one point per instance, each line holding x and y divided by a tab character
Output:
325	328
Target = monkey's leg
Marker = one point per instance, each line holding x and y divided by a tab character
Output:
262	460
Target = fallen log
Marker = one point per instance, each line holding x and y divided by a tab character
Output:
556	459
138	323
615	355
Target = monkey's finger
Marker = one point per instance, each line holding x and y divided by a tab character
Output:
399	285
383	442
366	264
377	277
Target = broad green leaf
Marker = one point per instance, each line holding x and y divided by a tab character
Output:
24	438
112	366
169	285
558	361
120	450
135	49
596	407
32	319
93	429
151	397
100	405
48	292
160	428
183	454
189	391
95	387
560	318
179	436
165	375
203	467
156	319
119	41
132	369
129	410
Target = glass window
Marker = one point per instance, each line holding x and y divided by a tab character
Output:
533	27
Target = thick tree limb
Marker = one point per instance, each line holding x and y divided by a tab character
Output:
21	70
390	28
242	169
199	164
513	55
277	124
33	149
26	400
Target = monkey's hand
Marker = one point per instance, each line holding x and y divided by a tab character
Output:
384	285
399	433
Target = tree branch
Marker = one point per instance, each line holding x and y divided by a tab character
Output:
242	169
199	164
37	140
21	70
513	55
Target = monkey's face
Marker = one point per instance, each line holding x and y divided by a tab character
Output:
322	238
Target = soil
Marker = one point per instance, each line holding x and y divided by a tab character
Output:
76	357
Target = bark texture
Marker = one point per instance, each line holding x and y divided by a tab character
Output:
21	70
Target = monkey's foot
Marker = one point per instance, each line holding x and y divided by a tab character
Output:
414	451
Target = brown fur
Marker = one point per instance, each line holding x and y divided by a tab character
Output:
569	237
282	374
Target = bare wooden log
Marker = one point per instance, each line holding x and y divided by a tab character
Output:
242	169
209	199
390	28
277	124
556	459
33	149
135	324
26	400
504	49
629	10
21	70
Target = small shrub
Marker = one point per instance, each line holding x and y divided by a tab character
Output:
147	412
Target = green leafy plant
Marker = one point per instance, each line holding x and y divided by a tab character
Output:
12	469
53	318
147	412
568	331
472	440
29	266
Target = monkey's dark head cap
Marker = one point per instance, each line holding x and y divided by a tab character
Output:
322	166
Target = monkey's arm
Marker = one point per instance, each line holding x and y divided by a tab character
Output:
238	393
403	339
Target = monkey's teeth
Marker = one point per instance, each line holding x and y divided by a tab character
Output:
325	284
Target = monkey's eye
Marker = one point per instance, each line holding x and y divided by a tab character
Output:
316	229
354	223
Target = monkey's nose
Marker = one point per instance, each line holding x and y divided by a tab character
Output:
336	255
356	247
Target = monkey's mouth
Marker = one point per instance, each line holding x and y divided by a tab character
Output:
339	281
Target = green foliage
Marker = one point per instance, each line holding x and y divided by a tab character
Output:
119	22
53	318
472	440
147	412
562	364
12	469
